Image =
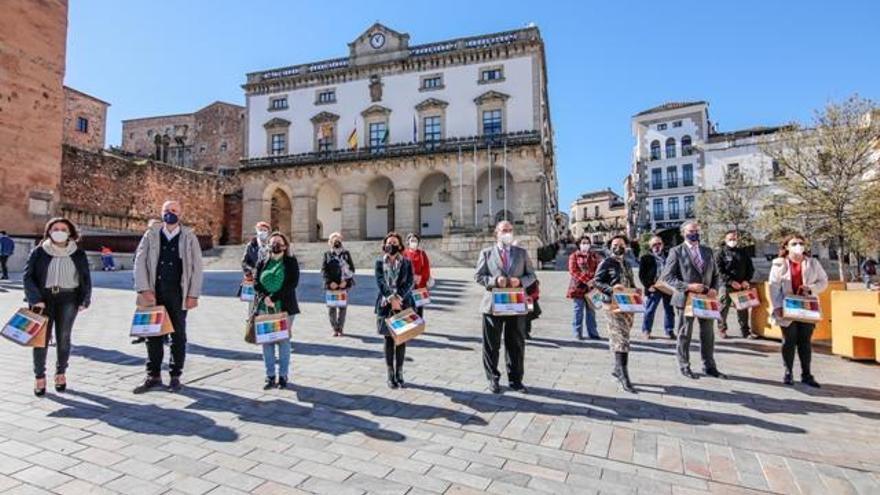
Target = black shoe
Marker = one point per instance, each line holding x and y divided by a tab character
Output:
809	380
688	373
518	387
40	391
174	385
139	340
392	380
60	387
713	372
398	377
282	382
788	379
494	387
149	384
270	383
671	335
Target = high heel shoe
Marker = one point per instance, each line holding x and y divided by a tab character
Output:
60	383
40	387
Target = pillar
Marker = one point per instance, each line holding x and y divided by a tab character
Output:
305	213
254	207
354	216
463	205
406	211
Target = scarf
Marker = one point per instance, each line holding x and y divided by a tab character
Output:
56	251
62	271
391	269
336	254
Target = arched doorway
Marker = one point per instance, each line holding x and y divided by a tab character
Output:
281	213
495	195
380	207
434	204
329	210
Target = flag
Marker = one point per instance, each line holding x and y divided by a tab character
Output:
353	138
415	130
385	136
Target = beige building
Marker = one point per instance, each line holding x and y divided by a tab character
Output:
444	139
598	214
210	139
85	120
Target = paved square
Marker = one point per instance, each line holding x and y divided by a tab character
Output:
339	430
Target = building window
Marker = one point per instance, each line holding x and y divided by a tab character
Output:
677	123
491	122
596	211
689	207
670	148
657	178
279	144
432	82
671	177
732	172
202	149
492	74
673	208
378	136
586	215
222	146
326	137
686	146
655	150
687	175
661	127
326	96
82	124
279	103
432	129
778	171
130	135
658	209
150	133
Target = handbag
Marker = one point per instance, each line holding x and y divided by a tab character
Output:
26	328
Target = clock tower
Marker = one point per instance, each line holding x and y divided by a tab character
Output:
378	44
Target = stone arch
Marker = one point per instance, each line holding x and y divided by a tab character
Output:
435	203
491	195
328	210
280	212
380	207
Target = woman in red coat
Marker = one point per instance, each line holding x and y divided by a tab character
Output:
421	266
582	266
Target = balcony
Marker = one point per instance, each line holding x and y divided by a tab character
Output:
450	145
672	184
658	216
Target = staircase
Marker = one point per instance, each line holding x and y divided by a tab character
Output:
311	254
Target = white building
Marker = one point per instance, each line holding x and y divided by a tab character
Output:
443	138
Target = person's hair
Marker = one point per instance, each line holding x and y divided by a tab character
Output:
687	224
498	225
74	235
619	236
390	235
262	224
332	237
655	238
583	238
2	232
413	235
731	231
783	246
282	236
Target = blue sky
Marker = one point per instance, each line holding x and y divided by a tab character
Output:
756	62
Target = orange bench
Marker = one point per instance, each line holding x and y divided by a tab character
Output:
856	328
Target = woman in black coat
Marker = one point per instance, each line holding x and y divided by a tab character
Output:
394	279
58	283
338	272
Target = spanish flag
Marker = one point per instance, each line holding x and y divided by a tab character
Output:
353	138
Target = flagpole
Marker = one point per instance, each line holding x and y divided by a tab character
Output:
505	180
489	156
476	212
460	189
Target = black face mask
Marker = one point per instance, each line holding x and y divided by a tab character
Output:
618	251
337	244
392	249
277	248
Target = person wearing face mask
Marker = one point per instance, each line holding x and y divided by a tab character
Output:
690	269
168	273
503	265
650	266
394	278
337	270
257	249
582	265
736	270
420	264
57	283
794	272
615	273
275	281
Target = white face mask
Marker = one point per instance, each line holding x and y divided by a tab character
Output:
585	248
799	249
413	244
262	234
59	236
732	244
506	238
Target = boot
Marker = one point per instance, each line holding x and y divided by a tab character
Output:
788	379
623	359
398	376
399	356
392	379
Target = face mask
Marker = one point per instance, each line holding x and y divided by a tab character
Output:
799	249
392	249
262	234
337	244
618	250
414	244
277	248
170	218
732	244
59	236
695	237
657	249
585	248
506	238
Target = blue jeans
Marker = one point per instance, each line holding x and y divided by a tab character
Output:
654	299
581	306
283	359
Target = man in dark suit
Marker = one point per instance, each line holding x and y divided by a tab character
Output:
690	268
650	266
503	265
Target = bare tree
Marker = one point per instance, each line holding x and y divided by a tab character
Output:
731	206
829	174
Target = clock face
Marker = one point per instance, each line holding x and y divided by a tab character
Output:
377	40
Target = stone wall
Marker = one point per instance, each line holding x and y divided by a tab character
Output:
466	246
32	61
219	138
78	104
107	193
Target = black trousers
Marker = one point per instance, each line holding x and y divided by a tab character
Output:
3	259
172	299
512	328
394	355
797	336
61	309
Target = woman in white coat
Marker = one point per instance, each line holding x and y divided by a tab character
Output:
794	272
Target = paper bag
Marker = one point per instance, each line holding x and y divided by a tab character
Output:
405	326
509	302
704	307
665	288
627	301
421	297
745	299
801	308
595	298
336	298
152	321
247	292
273	327
26	328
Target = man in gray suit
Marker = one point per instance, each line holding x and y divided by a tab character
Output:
690	268
503	265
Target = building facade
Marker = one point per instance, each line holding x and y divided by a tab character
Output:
598	214
210	139
33	45
444	138
85	120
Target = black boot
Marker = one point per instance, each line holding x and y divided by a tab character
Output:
627	385
399	357
620	372
788	379
392	379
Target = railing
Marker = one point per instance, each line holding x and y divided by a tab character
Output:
450	145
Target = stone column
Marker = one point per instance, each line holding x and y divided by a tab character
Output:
354	216
305	212
463	218
406	211
253	207
526	206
